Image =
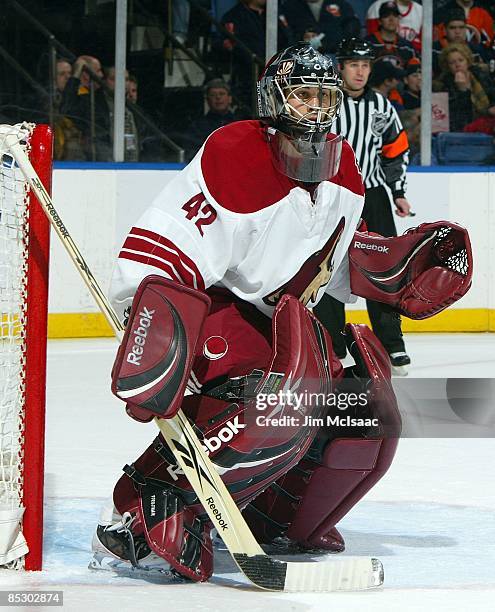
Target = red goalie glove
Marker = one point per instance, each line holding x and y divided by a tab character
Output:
418	274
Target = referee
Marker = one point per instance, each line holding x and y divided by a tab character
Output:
371	125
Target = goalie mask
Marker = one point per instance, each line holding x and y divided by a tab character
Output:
299	96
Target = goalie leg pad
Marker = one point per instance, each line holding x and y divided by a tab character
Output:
306	503
250	455
171	528
301	360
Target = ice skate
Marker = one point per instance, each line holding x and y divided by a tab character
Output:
332	543
116	549
400	361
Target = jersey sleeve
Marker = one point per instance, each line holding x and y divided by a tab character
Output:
395	153
182	236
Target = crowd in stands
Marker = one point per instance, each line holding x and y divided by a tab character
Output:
83	112
463	68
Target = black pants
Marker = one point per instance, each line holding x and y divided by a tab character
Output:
377	213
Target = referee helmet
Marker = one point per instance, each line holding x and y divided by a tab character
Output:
354	48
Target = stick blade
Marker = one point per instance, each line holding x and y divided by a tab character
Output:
349	574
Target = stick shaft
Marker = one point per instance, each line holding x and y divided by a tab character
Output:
66	239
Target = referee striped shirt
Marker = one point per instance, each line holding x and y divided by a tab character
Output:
373	129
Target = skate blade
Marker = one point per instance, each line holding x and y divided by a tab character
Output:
400	370
105	563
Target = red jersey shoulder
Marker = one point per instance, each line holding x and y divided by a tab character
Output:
238	171
349	174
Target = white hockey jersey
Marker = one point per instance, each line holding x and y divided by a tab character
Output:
230	219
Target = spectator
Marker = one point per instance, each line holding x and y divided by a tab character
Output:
132	89
439	7
67	138
410	115
83	99
411	96
410	20
62	75
181	11
386	41
384	78
314	36
182	24
109	74
219	102
335	19
471	93
131	137
455	30
247	21
360	7
478	19
149	144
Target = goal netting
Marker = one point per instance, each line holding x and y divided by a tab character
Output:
24	243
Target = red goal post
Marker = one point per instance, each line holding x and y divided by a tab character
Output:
24	255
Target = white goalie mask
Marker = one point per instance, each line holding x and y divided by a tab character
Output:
299	96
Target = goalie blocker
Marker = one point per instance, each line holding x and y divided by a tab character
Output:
154	359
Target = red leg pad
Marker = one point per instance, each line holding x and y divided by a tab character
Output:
351	468
306	503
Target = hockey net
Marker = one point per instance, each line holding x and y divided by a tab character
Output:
24	248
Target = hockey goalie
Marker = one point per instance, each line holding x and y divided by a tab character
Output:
217	282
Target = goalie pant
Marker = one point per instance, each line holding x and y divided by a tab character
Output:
302	476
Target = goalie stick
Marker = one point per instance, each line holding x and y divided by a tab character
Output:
347	574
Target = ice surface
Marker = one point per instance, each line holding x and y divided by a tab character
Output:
430	519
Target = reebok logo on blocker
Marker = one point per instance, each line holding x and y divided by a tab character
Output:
140	334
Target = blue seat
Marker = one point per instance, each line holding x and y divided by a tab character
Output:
463	148
416	158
